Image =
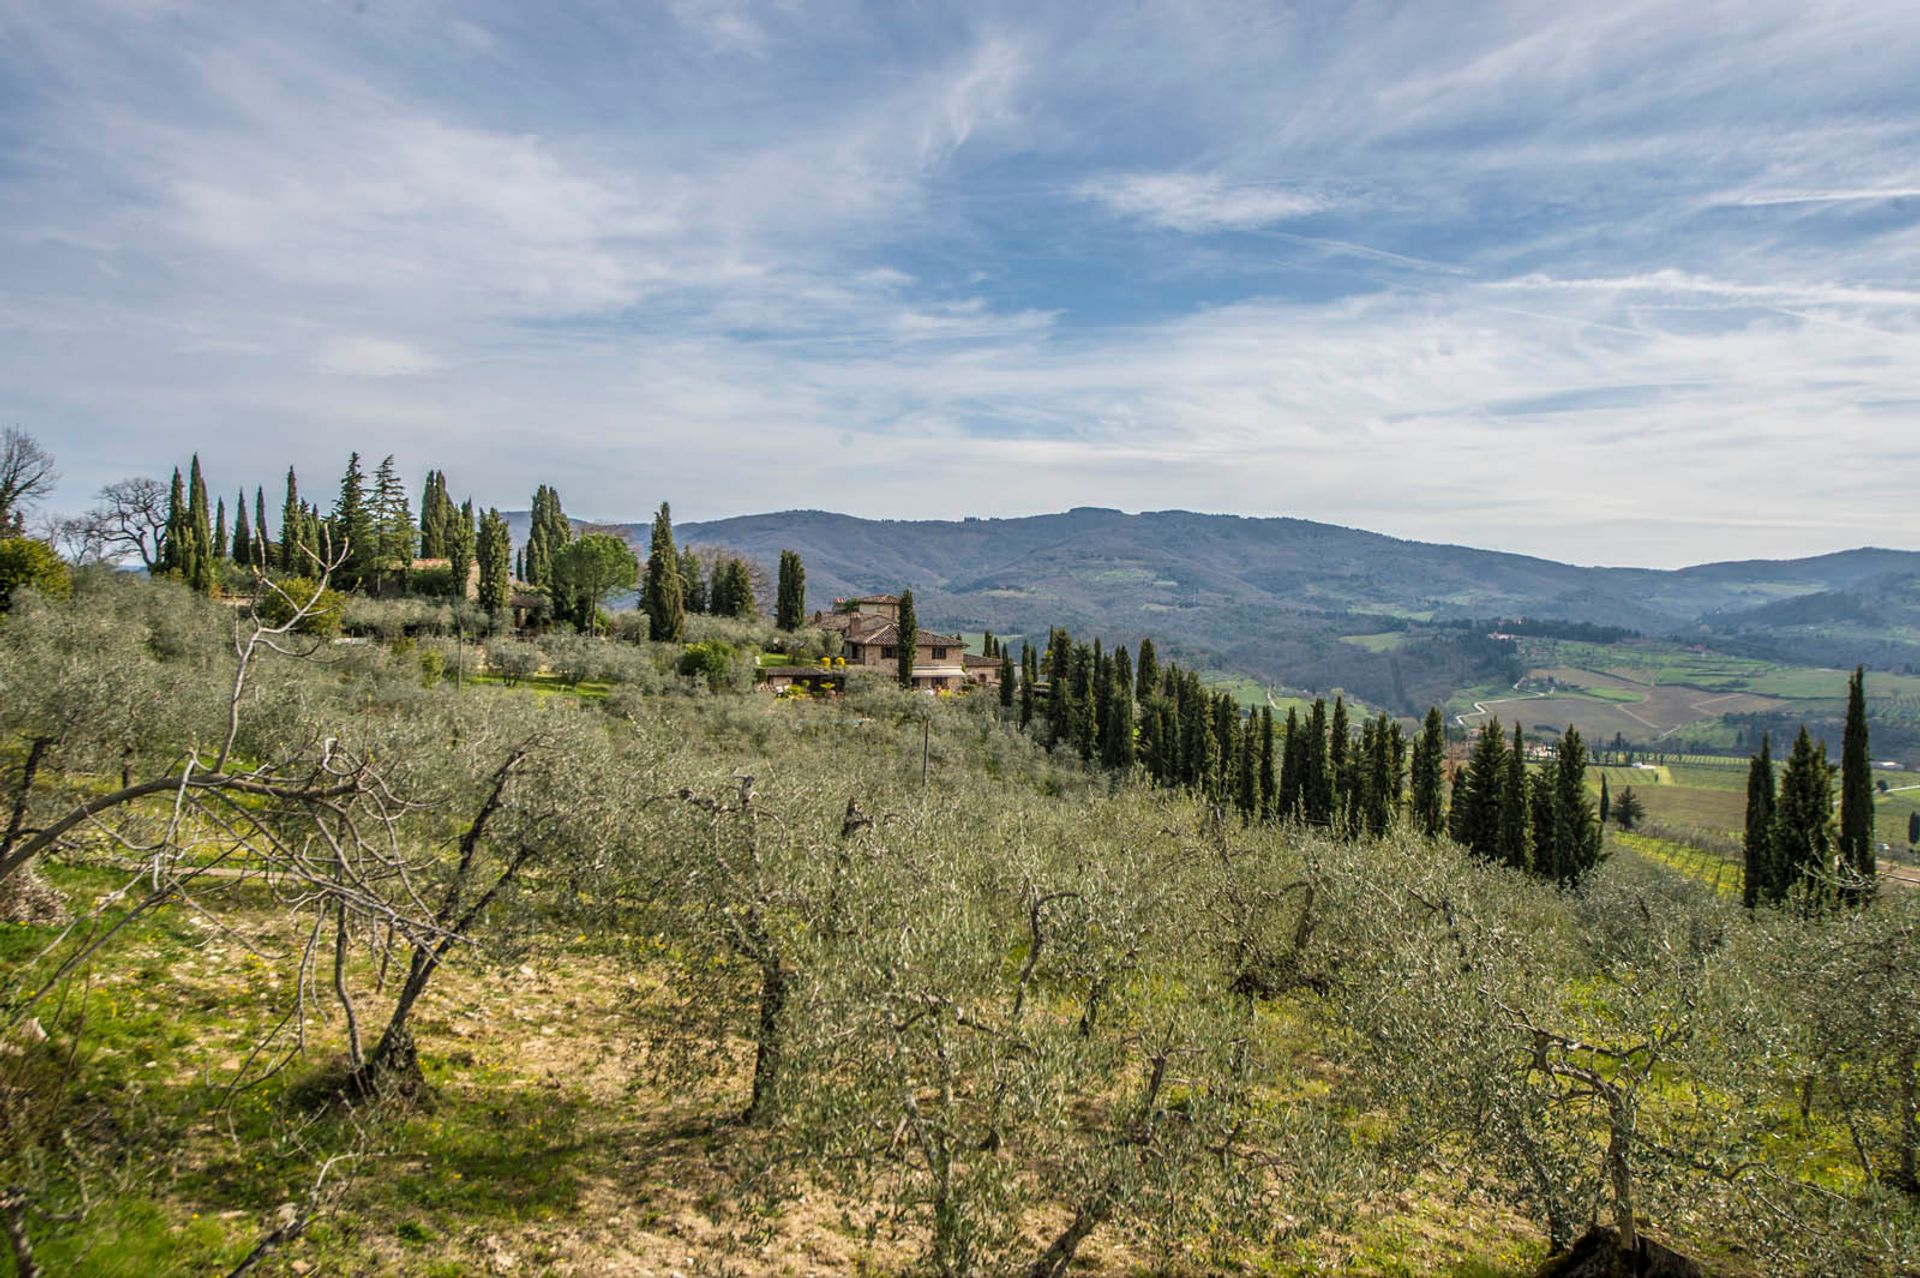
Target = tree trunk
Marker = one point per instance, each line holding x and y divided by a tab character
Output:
340	984
394	1065
771	1043
13	1219
1909	1122
1620	1171
1054	1261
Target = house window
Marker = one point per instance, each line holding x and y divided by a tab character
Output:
888	652
939	654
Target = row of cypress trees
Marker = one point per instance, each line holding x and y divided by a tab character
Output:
380	538
1540	822
1315	769
373	528
1792	843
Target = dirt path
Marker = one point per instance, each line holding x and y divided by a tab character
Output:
1480	707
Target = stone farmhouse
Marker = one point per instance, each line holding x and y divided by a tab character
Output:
869	628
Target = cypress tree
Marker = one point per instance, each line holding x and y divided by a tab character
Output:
1762	875
199	567
1116	743
393	524
1913	828
242	533
1085	730
1293	764
1147	674
1474	821
1576	836
696	597
176	539
1317	776
220	529
461	543
494	550
1429	776
732	592
1518	839
908	639
354	533
790	609
1628	809
1199	756
1006	679
660	595
292	523
1246	765
1102	693
1222	744
262	539
720	587
1397	765
1606	806
1059	687
1858	862
548	532
315	533
437	517
1269	780
1339	743
1351	796
1029	672
1802	842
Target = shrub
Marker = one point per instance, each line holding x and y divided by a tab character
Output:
629	627
282	599
32	565
514	660
721	665
572	658
436	580
390	619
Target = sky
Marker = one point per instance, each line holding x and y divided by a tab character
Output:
1625	283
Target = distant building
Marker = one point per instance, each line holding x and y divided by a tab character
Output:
869	627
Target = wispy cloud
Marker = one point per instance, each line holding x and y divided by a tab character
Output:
1200	202
1577	282
1761	199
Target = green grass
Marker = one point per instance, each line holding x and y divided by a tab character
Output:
547	685
1724	876
1673	798
1386	641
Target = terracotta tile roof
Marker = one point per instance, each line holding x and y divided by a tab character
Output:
871	630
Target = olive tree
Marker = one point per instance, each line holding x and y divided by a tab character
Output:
980	1034
1527	1039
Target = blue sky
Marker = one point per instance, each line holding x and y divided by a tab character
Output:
1622	283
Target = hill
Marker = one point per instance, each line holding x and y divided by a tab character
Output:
1284	599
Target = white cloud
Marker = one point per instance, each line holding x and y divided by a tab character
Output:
1760	199
372	357
1200	202
903	260
724	24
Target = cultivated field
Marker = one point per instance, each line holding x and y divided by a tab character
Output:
1656	711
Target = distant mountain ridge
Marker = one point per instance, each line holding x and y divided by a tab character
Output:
1267	595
